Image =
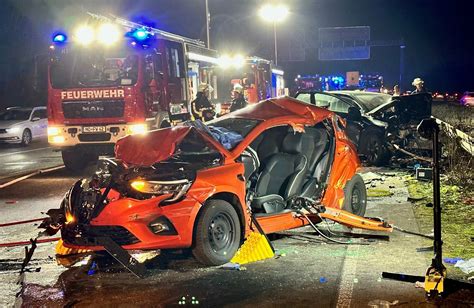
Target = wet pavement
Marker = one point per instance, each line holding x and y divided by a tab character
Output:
309	272
18	160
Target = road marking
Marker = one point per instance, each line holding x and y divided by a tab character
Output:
21	152
346	286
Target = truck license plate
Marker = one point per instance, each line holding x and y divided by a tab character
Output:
94	129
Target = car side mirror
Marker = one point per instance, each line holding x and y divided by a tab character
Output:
354	114
35	119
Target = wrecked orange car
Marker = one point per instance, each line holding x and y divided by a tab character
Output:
199	186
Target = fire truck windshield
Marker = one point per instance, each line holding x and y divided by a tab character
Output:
93	69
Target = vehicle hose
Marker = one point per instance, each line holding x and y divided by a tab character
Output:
412	233
13	244
7	224
327	237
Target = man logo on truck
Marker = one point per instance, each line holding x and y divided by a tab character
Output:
92	94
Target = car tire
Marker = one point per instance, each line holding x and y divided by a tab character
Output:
355	196
26	137
374	150
217	233
76	160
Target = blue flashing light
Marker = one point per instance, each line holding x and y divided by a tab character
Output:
140	34
59	38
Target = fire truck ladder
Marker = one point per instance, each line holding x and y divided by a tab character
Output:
134	25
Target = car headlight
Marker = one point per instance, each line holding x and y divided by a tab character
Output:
137	129
13	130
175	188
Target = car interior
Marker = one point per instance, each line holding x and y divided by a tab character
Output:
282	164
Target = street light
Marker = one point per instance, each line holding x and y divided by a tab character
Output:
274	13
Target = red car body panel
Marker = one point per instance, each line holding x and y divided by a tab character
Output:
224	181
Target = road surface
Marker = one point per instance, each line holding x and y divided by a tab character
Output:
309	272
15	159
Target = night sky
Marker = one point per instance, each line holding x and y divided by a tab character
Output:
439	35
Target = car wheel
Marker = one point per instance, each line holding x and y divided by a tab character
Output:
76	160
26	137
355	196
374	150
217	233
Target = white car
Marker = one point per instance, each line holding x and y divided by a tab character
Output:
22	125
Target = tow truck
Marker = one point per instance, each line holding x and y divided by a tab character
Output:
113	77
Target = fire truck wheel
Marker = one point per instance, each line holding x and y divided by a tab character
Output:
216	233
26	137
75	160
355	196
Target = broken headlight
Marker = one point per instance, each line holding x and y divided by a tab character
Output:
176	189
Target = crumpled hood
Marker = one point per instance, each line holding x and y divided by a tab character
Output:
153	147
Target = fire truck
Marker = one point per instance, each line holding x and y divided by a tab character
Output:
259	78
114	77
366	82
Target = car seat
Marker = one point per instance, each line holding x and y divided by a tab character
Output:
282	176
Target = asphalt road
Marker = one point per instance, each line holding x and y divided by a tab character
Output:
309	272
15	159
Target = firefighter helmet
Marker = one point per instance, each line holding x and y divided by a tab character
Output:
238	88
417	81
205	87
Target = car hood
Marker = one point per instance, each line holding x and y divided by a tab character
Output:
155	146
8	124
413	107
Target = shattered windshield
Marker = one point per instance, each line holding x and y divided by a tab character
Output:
94	69
196	150
231	131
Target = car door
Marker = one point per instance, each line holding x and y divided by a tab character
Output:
43	123
34	123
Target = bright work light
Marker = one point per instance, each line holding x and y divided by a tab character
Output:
84	35
108	34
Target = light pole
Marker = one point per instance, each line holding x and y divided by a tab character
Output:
274	13
208	17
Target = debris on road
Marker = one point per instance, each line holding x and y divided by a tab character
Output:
379	303
465	266
452	260
233	266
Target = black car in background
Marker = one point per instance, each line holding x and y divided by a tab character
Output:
377	123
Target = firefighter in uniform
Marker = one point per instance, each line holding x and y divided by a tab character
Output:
239	101
201	107
419	85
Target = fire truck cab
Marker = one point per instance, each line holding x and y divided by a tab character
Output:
99	92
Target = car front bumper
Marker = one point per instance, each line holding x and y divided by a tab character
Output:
6	137
135	225
64	136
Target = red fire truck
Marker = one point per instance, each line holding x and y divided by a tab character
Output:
259	78
114	77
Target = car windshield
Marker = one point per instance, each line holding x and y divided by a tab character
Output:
370	101
86	69
231	131
15	115
195	150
